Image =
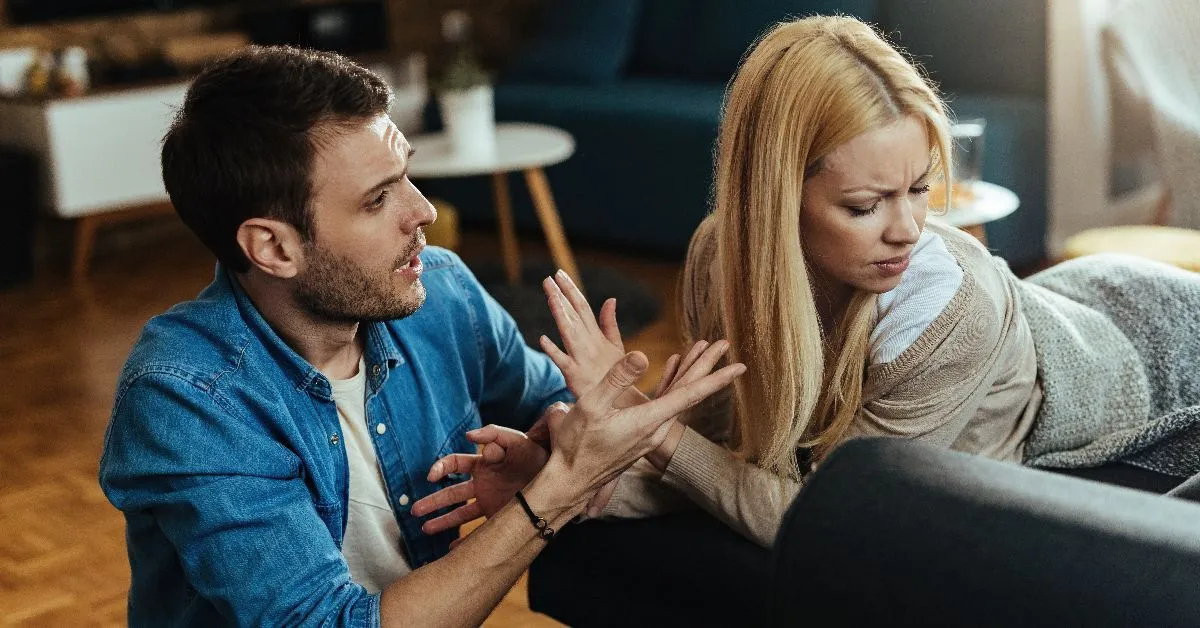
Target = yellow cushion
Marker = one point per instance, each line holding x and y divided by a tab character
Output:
1178	247
444	231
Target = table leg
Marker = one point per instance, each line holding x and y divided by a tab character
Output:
547	213
978	232
85	236
509	249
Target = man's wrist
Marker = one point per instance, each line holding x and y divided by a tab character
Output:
554	495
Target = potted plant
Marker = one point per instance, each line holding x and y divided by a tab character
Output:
464	94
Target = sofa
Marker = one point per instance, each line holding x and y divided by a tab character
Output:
889	532
639	83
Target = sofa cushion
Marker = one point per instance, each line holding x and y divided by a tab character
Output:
663	35
587	41
723	34
705	39
632	98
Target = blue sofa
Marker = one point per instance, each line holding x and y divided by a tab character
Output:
639	83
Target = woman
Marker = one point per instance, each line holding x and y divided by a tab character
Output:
855	316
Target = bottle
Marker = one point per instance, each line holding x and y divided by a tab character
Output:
37	77
73	69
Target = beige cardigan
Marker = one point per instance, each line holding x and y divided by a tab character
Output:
968	383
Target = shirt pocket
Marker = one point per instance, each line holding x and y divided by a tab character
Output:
332	515
455	442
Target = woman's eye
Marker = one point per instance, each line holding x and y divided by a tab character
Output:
863	210
920	189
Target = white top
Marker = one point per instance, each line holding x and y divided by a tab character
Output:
372	546
905	312
990	202
519	146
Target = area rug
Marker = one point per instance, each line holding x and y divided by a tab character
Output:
637	304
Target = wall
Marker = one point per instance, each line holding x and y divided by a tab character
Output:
414	25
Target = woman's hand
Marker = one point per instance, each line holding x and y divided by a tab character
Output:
507	461
592	347
700	361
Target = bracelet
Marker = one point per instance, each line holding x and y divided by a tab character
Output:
543	527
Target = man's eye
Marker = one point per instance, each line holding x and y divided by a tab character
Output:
379	200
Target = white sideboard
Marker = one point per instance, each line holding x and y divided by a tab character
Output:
99	152
99	155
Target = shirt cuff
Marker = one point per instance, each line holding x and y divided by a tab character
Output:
696	464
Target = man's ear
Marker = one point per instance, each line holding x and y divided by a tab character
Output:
272	246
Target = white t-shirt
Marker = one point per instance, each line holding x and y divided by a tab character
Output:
905	312
372	546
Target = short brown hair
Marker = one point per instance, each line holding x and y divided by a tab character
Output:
243	143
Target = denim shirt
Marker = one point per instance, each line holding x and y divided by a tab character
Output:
225	453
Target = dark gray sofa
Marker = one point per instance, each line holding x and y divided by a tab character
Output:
891	532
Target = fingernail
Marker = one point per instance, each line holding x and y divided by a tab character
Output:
561	273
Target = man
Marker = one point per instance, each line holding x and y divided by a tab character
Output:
268	438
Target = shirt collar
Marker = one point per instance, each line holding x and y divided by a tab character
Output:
381	346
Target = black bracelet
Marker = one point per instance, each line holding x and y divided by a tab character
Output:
543	527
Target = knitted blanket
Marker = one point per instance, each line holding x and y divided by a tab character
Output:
1118	344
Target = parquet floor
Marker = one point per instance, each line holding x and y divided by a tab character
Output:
62	550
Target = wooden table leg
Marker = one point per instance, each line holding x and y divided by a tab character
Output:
85	237
87	225
508	231
547	213
978	232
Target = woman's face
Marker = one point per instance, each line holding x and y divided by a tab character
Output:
862	212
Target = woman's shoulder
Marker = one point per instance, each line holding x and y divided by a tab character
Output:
974	317
933	278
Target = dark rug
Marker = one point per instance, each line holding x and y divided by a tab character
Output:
637	305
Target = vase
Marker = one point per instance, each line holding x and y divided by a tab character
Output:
470	121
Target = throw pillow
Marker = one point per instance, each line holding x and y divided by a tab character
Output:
585	41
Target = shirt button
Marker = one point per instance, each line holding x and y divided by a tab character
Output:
403	501
375	370
333	439
380	429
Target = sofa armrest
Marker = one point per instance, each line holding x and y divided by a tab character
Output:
891	532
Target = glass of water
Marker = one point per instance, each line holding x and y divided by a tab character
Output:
967	163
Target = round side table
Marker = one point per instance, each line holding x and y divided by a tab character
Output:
519	147
990	202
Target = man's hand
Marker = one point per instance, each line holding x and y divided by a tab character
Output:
597	440
507	462
592	347
678	372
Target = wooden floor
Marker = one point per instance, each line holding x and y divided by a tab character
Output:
62	549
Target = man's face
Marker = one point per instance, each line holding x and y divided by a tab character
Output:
368	220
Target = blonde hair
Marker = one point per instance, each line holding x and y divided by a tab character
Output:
805	88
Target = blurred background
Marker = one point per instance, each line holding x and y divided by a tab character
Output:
1082	119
